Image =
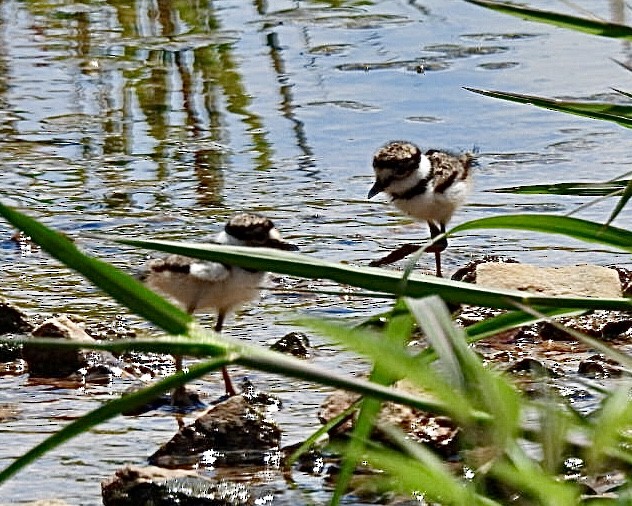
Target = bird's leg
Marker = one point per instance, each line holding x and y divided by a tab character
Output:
179	396
438	246
228	384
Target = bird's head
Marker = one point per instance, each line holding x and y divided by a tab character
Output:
393	162
249	229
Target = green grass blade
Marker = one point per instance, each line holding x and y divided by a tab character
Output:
511	320
602	189
620	114
417	469
572	227
372	278
591	26
122	287
396	334
107	412
623	201
255	357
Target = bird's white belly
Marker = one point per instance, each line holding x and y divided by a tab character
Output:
199	295
435	207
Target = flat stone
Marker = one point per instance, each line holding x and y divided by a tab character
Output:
570	281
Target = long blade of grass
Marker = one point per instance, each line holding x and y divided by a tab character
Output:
511	320
397	332
107	412
427	472
591	26
625	198
620	114
600	189
378	280
261	359
122	287
576	228
399	360
482	388
419	470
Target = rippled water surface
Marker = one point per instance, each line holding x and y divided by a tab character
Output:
160	119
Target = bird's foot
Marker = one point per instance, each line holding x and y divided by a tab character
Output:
438	246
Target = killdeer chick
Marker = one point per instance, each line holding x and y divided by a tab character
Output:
428	186
199	285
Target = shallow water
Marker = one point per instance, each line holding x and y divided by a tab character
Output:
159	119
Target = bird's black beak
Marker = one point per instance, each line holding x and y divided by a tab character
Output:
375	189
279	244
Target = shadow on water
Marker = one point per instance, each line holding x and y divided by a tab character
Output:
160	119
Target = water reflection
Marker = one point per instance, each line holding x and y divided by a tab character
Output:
160	118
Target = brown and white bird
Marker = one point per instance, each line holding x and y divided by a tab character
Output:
199	285
428	186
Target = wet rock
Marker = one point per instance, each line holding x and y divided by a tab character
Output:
437	432
154	486
9	412
533	367
598	366
294	343
625	277
114	329
467	273
598	324
13	319
256	397
577	281
233	432
53	362
10	352
24	242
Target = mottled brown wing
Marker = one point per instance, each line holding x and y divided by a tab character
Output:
448	169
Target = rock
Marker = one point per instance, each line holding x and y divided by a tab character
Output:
625	276
467	273
9	412
571	281
232	432
294	343
533	367
154	486
598	366
12	319
437	432
50	362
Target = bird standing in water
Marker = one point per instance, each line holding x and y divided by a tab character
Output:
428	186
199	285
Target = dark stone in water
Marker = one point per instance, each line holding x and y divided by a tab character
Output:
437	432
233	432
50	362
13	320
257	397
533	366
294	343
153	486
